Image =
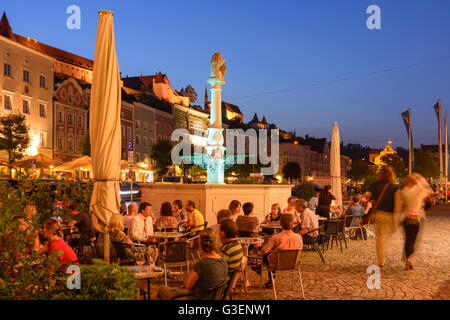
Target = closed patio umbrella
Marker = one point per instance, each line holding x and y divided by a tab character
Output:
105	130
335	165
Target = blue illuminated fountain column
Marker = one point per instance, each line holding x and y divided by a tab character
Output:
215	149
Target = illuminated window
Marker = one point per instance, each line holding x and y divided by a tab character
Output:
7	104
26	107
42	81
42	111
7	69
26	75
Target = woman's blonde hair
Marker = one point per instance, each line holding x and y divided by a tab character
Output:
277	205
53	226
116	223
29	210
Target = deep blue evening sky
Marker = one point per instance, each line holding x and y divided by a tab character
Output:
272	45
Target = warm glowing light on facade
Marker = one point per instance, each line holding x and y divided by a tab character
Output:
33	148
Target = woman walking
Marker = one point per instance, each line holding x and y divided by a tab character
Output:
382	192
410	201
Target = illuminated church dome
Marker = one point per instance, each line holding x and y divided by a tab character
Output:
387	150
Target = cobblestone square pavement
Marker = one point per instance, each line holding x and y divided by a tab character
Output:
344	276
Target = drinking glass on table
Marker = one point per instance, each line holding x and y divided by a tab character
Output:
140	258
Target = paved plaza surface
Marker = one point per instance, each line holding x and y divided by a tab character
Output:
344	276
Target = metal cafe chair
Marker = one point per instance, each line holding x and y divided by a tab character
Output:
214	293
286	261
314	244
174	254
335	229
354	225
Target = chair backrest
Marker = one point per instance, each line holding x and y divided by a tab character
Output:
229	284
174	251
348	221
331	228
355	222
286	259
121	249
217	292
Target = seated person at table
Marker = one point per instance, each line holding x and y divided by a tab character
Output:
30	212
235	208
314	202
272	218
291	209
274	215
166	222
132	212
310	221
178	212
195	220
285	240
32	237
210	271
56	245
355	208
82	222
221	215
247	224
141	226
116	233
231	249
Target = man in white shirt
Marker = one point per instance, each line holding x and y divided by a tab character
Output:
309	221
141	226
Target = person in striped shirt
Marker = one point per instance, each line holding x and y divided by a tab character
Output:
231	249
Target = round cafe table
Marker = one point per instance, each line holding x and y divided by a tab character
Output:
274	228
146	272
246	241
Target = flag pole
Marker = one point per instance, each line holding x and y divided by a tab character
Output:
410	143
446	158
441	169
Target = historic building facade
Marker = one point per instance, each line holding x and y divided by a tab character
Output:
26	86
71	105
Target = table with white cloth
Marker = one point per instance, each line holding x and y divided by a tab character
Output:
146	272
246	241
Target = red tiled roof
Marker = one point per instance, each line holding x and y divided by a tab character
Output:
58	54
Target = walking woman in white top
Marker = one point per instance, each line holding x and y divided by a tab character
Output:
410	201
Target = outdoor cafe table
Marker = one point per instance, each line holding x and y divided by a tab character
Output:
170	235
275	228
246	241
146	272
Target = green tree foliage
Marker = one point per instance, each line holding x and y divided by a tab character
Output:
160	153
85	147
425	164
396	162
367	183
291	170
103	281
305	191
25	275
359	170
14	137
189	92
